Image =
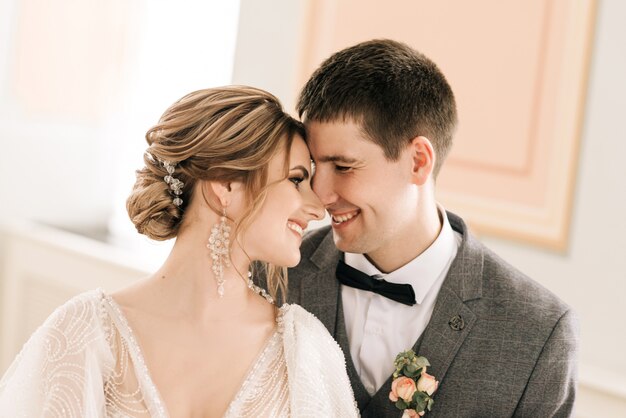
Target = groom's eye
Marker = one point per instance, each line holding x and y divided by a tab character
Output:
342	168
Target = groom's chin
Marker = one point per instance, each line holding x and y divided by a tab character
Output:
345	244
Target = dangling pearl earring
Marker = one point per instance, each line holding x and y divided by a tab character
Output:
219	244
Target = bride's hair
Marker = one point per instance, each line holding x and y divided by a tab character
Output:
223	134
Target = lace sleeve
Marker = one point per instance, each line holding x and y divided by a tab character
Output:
318	380
61	369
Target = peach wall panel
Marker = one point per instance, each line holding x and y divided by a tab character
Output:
518	70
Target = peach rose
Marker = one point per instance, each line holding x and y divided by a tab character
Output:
402	387
427	383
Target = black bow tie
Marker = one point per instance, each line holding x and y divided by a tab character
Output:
352	277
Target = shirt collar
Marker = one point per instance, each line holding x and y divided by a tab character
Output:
424	270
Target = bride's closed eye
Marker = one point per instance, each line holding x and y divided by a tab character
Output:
297	180
299	175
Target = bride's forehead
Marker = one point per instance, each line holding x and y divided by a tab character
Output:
298	155
299	149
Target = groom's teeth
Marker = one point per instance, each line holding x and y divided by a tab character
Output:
342	218
296	227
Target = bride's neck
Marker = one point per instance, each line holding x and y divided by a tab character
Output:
189	279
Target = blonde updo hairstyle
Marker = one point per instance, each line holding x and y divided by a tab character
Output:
220	134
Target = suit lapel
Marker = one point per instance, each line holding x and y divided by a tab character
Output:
452	319
321	295
361	395
319	291
441	341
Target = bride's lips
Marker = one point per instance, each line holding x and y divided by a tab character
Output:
297	226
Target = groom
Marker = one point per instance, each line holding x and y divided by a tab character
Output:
380	119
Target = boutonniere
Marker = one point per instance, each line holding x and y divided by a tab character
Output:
412	388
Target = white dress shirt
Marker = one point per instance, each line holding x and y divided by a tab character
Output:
379	328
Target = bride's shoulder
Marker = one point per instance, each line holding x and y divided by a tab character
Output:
67	333
297	322
51	367
81	312
83	302
296	314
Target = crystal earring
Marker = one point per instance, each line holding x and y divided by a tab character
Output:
219	244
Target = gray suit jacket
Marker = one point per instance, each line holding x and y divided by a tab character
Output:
499	343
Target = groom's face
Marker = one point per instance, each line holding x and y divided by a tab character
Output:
370	199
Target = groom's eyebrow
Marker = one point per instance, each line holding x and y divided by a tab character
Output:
337	159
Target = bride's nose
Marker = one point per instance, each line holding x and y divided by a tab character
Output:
312	206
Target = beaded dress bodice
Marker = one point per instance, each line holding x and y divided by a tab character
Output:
84	361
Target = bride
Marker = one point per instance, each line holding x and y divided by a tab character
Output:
227	173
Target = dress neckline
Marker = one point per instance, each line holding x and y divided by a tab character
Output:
145	379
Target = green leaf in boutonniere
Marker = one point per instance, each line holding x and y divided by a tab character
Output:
430	404
421	400
400	404
412	370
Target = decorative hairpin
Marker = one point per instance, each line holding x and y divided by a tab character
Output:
176	186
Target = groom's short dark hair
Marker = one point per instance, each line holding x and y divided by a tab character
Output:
394	92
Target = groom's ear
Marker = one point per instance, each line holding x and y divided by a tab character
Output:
422	159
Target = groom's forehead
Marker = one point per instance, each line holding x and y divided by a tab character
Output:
343	136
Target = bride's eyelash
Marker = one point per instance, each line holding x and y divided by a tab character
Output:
296	180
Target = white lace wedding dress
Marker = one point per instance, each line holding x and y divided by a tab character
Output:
85	362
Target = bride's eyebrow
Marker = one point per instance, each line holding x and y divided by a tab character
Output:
305	172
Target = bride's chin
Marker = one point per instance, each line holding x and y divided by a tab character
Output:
292	261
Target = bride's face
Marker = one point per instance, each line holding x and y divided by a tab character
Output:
276	233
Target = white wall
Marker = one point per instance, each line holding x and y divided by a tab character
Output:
80	84
268	42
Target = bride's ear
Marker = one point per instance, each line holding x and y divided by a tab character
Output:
224	191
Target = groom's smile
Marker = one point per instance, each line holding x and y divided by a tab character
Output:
342	219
